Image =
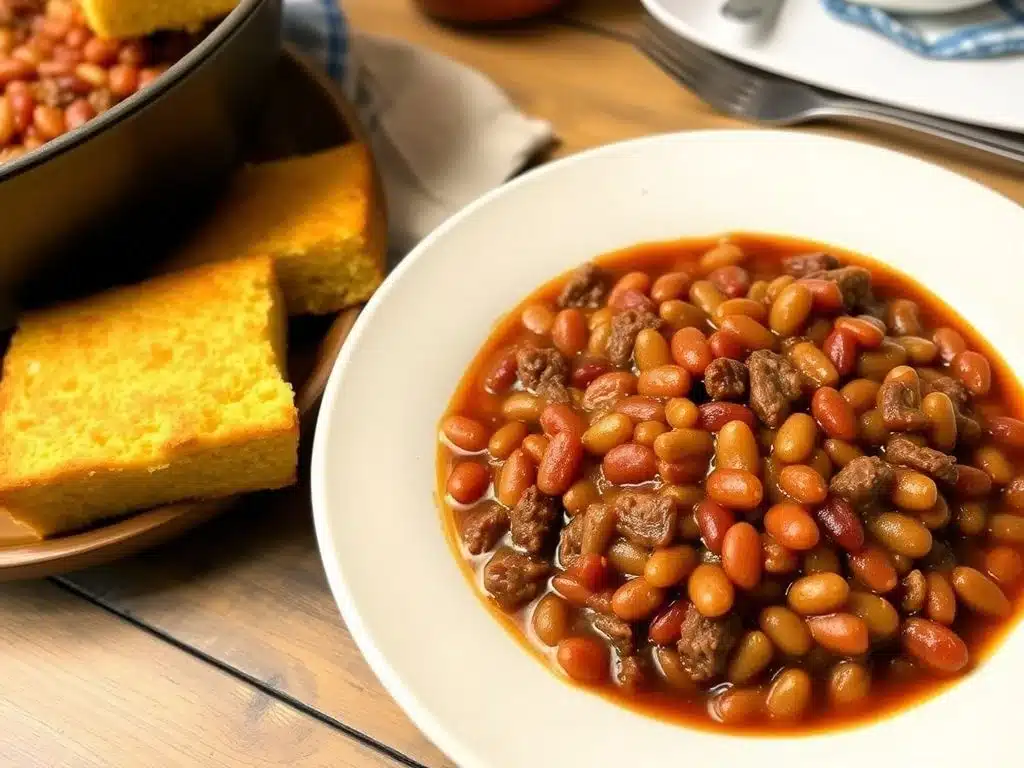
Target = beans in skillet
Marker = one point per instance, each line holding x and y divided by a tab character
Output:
747	483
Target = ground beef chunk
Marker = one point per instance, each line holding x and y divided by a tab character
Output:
544	372
774	385
625	327
569	542
534	518
646	519
864	481
631	673
513	578
705	644
854	284
726	379
483	526
915	591
586	288
900	404
808	263
618	632
899	450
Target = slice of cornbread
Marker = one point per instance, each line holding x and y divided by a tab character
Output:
159	392
134	18
312	215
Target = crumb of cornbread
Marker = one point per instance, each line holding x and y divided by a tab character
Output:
312	215
169	390
135	18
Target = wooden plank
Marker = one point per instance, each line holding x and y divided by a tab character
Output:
83	688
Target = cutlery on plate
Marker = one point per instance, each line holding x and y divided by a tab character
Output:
753	19
754	95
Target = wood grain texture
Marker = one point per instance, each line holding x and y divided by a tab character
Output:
83	688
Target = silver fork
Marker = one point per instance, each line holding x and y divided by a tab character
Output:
753	95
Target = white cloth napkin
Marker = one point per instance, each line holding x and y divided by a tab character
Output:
442	133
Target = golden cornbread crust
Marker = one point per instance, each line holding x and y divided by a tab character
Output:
312	215
149	394
135	18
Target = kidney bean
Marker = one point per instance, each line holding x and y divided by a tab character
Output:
732	280
688	470
608	388
825	294
551	619
841	349
671	285
560	465
834	414
874	568
980	593
517	474
949	342
973	371
664	381
630	464
934	645
641	408
864	332
741	555
971	482
1006	431
818	593
841	523
713	521
464	433
791	526
841	633
726	345
786	629
734	488
715	415
665	626
584	659
710	590
690	350
590	570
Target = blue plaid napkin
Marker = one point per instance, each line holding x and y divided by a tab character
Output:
318	29
989	31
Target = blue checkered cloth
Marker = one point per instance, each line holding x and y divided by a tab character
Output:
989	31
318	29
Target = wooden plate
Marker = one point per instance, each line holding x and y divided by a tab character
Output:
305	113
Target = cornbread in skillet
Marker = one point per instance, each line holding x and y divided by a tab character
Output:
160	392
135	18
312	215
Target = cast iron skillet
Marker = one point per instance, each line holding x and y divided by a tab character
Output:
98	204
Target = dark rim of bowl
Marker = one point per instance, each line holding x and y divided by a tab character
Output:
192	60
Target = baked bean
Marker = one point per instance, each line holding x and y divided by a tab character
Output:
866	333
758	291
941	420
841	452
705	294
940	604
994	463
834	414
681	413
520	406
731	280
609	388
861	394
949	343
825	293
821	559
601	316
979	593
560	465
584	659
934	645
750	333
871	427
464	433
710	590
813	364
640	282
665	381
1013	493
803	484
1004	564
667	567
902	534
737	448
646	432
598	529
714	521
741	555
919	351
505	439
841	349
629	464
874	569
901	563
671	285
468	481
902	317
848	684
722	255
517	474
938	516
685	495
821	464
535	446
679	444
841	633
726	345
671	668
636	599
688	470
682	314
651	350
775	558
789	695
790	310
877	613
580	495
1006	431
715	415
569	332
914	491
818	593
551	619
597	344
970	518
796	439
665	626
973	371
736	706
792	526
874	364
558	417
786	630
690	349
688	528
971	482
627	558
641	408
752	656
754	310
537	318
735	488
778	285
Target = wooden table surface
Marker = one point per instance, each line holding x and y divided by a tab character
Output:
225	648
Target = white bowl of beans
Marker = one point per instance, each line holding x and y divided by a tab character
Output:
104	143
704	445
